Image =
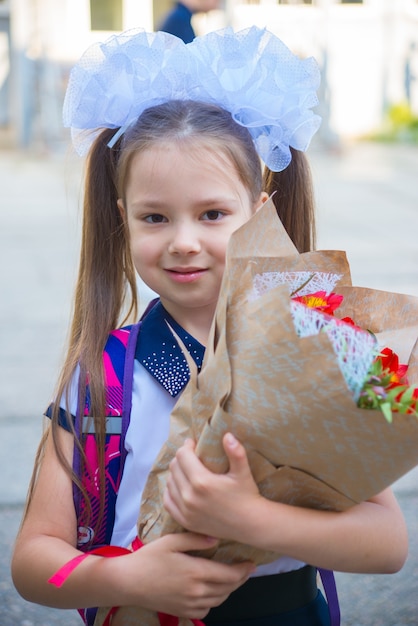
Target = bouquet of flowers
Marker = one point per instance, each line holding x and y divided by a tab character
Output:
328	419
386	386
295	383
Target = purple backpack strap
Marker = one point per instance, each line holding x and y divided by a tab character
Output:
330	588
127	388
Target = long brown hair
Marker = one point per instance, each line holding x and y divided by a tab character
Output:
105	294
294	200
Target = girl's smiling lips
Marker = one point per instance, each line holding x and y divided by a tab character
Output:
185	274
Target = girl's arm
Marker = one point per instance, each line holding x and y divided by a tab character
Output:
187	586
370	537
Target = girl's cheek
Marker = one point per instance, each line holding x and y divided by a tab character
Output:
145	251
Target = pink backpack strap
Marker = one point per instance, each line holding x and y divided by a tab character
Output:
118	361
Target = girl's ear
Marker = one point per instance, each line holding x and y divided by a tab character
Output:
121	209
262	199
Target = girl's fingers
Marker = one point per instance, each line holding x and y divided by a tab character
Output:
215	572
186	542
186	459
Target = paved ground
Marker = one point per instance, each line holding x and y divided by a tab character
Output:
367	197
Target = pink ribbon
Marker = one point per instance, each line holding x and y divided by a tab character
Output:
59	578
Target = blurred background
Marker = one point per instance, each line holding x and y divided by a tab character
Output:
367	50
364	162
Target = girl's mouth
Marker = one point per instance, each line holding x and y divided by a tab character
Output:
186	274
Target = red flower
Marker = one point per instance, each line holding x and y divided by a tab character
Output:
390	364
386	387
321	301
351	322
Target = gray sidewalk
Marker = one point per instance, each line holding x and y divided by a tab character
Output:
367	199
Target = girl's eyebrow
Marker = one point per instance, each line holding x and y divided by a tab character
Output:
148	204
216	201
151	204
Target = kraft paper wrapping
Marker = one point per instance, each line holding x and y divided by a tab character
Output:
284	396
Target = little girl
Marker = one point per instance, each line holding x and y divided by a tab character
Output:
173	171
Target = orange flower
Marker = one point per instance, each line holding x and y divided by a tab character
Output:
321	301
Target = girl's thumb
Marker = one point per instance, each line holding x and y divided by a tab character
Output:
236	454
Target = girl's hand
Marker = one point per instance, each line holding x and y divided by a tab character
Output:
162	577
208	503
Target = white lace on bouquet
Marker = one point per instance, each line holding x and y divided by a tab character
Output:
355	349
251	74
303	283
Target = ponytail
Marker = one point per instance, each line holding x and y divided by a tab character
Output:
105	270
294	200
105	277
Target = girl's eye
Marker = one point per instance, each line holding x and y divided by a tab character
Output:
155	218
213	215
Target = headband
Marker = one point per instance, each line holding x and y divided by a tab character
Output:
251	74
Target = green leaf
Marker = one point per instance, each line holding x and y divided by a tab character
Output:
393	393
387	411
408	394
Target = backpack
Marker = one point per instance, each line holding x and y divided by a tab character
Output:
118	361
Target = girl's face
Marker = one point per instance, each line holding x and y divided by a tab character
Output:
181	207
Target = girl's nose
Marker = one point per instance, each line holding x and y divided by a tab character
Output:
184	240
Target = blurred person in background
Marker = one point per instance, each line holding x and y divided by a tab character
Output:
178	21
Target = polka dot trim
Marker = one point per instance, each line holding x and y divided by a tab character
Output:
159	352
